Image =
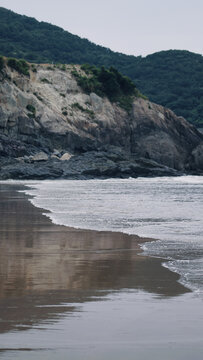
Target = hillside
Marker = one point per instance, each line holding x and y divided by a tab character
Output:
175	80
61	121
172	78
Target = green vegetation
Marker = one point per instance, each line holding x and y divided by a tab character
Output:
38	96
19	65
31	115
126	103
77	106
46	81
33	67
107	82
1	63
31	108
172	78
60	67
32	111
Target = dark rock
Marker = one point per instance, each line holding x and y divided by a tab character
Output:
197	157
30	171
151	141
89	165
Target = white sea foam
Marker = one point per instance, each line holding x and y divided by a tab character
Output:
169	209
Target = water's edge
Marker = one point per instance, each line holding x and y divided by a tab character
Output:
143	241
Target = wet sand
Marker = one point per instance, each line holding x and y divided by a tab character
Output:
49	273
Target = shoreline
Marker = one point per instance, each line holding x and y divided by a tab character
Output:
83	294
43	263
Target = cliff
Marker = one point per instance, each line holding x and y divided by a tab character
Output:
49	127
172	78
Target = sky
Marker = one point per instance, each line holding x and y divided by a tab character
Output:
134	27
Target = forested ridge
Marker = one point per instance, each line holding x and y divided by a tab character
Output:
172	78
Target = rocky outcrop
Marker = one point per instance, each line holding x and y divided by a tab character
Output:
104	163
46	118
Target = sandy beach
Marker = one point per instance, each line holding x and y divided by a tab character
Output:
49	273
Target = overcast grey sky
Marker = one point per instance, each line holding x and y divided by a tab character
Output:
137	27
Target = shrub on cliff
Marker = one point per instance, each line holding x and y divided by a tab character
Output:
19	65
32	111
31	108
107	82
1	63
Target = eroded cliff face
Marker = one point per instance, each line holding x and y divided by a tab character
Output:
48	115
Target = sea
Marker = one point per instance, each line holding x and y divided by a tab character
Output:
125	323
169	209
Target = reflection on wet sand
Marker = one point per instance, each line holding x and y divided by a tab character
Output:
45	264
